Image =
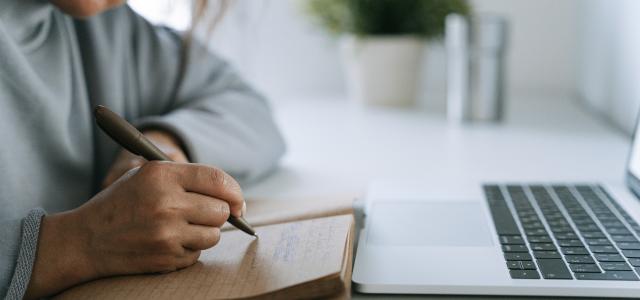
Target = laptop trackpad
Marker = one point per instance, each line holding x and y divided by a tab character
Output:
460	224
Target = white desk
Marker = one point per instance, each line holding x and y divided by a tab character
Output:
336	148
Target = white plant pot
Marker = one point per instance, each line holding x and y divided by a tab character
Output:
383	70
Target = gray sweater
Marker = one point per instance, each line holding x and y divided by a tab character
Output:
54	69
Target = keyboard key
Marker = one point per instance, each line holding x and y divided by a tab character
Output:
562	229
606	216
631	253
514	265
517	256
511	240
527	217
570	243
613	224
611	275
524	274
537	231
624	238
546	254
567	236
539	239
608	257
598	241
603	249
527	265
521	265
579	259
634	262
588	228
502	218
590	235
542	246
619	231
553	269
583	221
532	225
575	251
504	222
515	248
615	266
555	217
584	268
628	246
558	223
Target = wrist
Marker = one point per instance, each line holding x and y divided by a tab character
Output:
169	144
62	258
164	138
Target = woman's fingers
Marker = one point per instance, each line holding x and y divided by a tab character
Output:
205	210
211	182
198	237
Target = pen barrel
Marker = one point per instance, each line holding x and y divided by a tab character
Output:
127	135
149	151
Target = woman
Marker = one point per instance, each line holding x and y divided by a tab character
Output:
58	59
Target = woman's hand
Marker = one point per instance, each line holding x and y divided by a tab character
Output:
126	160
155	218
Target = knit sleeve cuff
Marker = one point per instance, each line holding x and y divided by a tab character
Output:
27	255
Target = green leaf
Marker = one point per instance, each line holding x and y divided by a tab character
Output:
384	17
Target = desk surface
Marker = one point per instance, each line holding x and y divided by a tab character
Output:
336	148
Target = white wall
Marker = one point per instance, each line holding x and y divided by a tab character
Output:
543	43
278	50
610	59
286	57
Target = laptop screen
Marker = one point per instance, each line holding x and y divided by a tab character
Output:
633	165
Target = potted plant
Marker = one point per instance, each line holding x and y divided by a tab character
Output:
382	42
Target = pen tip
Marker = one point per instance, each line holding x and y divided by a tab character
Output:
255	235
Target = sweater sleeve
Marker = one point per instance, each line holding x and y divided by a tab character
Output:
18	245
219	118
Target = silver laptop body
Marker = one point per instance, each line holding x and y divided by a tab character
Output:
563	239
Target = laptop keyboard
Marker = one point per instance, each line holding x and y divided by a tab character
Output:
570	232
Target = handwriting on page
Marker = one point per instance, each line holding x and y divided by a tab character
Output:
284	255
286	246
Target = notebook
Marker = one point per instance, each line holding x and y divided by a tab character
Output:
300	259
267	211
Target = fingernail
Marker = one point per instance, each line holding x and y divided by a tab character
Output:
244	208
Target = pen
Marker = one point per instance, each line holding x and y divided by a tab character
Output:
133	140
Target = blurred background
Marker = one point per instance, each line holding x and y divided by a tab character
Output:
580	50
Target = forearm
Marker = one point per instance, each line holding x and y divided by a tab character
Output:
233	131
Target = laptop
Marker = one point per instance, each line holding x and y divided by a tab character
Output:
519	239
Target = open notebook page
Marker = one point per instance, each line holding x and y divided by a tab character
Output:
267	211
240	266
